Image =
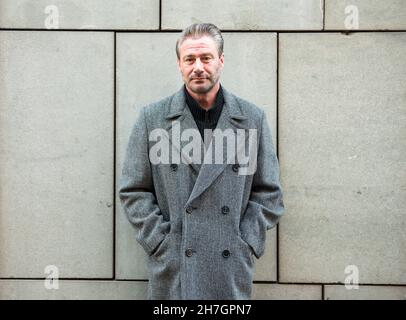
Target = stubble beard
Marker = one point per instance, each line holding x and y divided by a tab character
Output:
198	89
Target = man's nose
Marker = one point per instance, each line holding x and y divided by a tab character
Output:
198	65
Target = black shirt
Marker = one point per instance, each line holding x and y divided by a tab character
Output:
205	119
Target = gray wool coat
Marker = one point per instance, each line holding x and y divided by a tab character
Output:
201	225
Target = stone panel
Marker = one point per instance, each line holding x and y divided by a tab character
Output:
56	153
244	15
73	290
273	291
342	149
77	14
340	292
370	14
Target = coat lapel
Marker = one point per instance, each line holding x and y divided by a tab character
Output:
231	117
180	119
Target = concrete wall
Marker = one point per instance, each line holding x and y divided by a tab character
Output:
330	75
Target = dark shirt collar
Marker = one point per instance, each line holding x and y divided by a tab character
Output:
201	114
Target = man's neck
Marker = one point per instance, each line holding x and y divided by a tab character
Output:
206	100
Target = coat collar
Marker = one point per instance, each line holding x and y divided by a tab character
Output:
231	107
231	117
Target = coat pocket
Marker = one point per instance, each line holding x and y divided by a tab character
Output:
247	247
162	246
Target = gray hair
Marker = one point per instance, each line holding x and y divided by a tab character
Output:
198	30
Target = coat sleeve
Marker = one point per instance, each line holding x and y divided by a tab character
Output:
136	190
265	205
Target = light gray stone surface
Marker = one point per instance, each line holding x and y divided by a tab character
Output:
340	292
77	14
73	290
244	15
342	149
147	71
56	153
262	291
372	14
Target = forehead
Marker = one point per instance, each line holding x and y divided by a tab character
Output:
196	45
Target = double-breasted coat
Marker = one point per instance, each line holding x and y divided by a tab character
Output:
201	224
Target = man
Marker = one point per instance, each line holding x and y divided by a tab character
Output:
201	222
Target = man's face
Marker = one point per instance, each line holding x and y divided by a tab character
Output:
200	64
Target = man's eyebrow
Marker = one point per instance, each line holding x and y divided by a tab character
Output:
191	55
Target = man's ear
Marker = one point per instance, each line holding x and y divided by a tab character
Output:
222	59
178	61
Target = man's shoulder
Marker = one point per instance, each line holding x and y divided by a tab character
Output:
159	107
248	108
155	113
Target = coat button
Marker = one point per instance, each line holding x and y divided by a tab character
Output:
189	209
174	167
189	252
226	253
225	210
235	167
